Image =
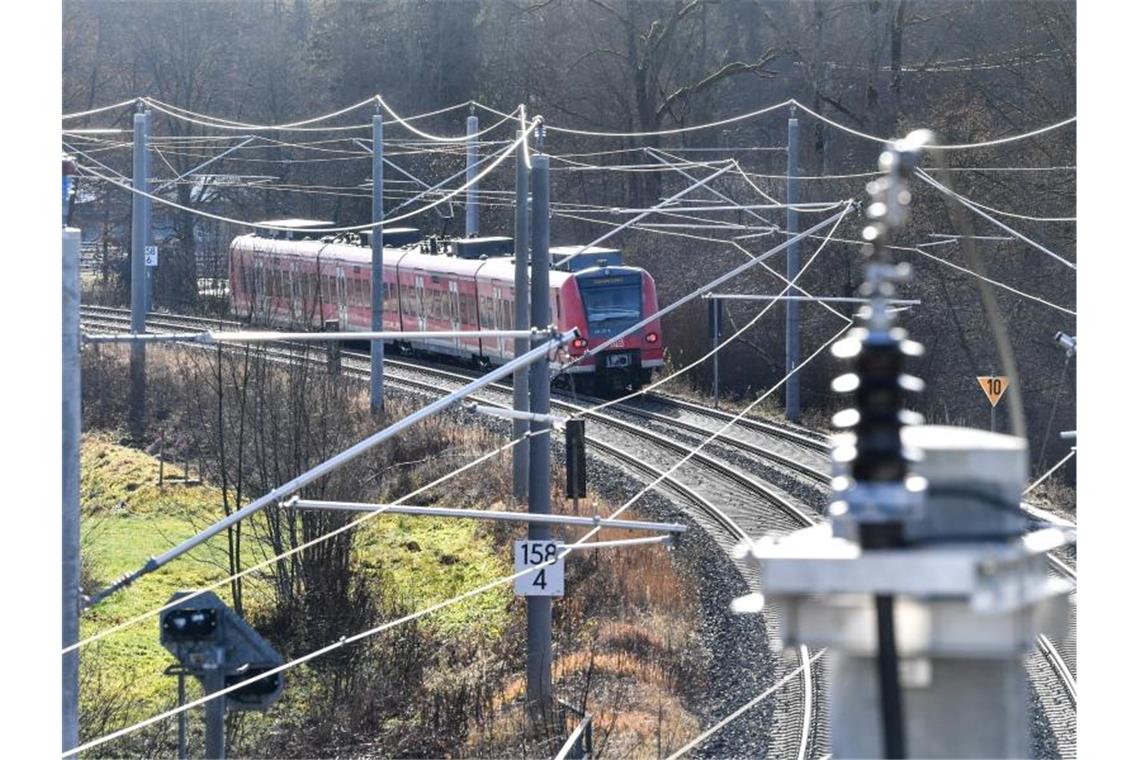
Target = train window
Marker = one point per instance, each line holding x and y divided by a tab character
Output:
612	304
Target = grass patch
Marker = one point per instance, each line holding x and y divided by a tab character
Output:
429	559
128	517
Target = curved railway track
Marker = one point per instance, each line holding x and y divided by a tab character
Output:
1052	668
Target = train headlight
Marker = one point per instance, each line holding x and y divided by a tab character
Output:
579	343
651	337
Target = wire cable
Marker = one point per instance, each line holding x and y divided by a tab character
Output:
439	138
721	344
797	104
1054	468
328	230
970	205
215	122
220	123
948	147
704	735
101	109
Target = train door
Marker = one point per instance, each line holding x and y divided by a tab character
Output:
261	309
342	297
453	297
500	323
295	291
421	308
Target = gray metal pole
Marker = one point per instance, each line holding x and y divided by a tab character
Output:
181	715
539	651
215	680
792	326
138	279
714	307
473	187
521	452
376	383
71	433
148	219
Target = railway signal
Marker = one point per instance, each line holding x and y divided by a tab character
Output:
215	645
575	460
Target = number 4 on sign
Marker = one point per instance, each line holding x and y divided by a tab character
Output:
993	386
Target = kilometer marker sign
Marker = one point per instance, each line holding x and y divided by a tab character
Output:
994	387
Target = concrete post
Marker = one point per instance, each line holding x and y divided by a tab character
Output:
539	651
792	325
138	278
473	188
521	452
376	383
71	433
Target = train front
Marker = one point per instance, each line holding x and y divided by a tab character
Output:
605	299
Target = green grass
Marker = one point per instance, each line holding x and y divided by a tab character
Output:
128	518
429	559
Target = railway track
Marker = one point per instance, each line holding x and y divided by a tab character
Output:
757	446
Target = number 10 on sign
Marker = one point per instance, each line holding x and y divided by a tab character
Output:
548	580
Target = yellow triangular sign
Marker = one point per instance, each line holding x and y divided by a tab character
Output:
993	386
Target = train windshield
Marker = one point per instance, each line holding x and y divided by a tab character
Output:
612	303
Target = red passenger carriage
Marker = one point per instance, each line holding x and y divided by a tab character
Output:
305	278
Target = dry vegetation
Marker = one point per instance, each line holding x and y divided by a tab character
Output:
451	683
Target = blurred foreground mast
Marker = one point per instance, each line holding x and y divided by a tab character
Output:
924	585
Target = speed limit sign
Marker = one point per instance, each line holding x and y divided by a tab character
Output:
548	580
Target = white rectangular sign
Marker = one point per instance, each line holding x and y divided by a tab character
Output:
150	253
547	581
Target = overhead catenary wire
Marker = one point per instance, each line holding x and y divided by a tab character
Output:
100	109
970	205
329	230
1013	215
216	122
405	123
797	104
964	270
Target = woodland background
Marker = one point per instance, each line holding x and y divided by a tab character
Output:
969	70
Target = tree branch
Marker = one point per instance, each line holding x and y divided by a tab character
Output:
728	70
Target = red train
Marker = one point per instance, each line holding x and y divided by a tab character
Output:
304	278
